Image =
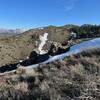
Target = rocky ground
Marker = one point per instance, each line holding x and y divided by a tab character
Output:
77	77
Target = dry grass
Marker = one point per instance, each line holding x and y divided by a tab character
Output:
76	77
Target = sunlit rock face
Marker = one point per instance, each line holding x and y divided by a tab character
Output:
43	40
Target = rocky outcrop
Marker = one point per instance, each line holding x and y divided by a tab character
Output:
35	58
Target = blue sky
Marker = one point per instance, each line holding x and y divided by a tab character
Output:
37	13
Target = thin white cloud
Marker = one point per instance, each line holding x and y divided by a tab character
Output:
69	4
69	7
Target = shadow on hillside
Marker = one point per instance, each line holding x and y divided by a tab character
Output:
7	68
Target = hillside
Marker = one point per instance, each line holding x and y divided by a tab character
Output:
77	77
15	48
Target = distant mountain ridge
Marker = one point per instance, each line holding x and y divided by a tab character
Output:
9	32
4	30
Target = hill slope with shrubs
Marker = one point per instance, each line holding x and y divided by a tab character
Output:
76	77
